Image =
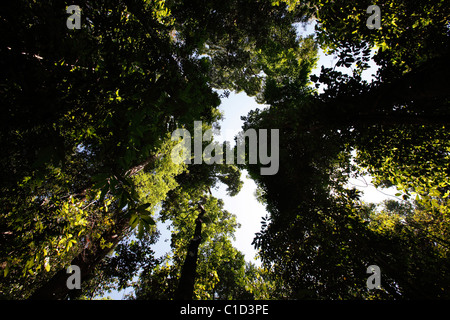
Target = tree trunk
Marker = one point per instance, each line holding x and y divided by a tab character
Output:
87	260
185	290
56	288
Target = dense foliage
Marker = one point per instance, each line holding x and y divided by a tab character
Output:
86	170
319	236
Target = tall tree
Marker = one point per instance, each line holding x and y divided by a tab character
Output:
190	272
185	289
86	110
319	237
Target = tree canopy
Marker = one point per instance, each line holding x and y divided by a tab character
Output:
320	236
86	173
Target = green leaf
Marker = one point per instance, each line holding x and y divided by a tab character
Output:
435	193
104	192
143	206
140	231
6	270
134	221
123	199
149	220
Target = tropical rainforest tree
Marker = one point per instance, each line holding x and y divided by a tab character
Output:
319	237
86	112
